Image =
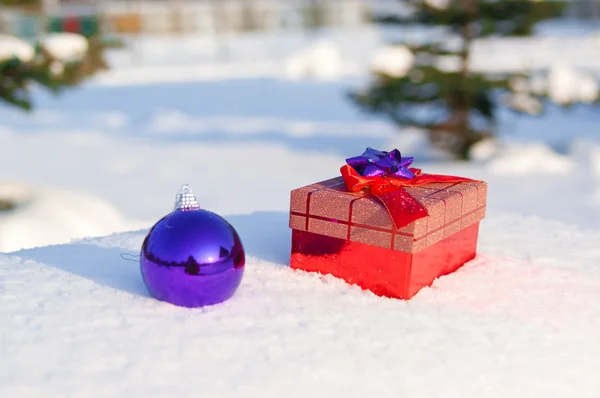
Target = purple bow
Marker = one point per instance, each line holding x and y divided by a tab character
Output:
374	163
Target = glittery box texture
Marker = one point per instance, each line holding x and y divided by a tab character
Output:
351	236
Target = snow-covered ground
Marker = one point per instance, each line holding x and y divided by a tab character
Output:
521	320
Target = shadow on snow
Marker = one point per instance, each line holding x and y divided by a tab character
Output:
265	236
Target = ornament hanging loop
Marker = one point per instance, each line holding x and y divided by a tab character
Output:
130	257
185	199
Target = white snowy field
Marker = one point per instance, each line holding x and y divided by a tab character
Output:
244	144
521	320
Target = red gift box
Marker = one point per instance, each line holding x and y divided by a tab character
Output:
353	236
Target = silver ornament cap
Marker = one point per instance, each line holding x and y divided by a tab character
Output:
185	199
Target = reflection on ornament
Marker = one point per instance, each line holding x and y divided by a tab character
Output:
192	257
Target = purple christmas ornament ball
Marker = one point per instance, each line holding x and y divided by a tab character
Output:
192	257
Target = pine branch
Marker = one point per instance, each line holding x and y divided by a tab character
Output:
433	49
516	18
457	107
48	72
14	3
504	17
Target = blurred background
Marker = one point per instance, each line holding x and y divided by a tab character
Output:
107	107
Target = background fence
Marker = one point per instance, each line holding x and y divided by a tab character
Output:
201	17
206	17
213	29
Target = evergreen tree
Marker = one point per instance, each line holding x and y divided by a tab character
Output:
44	69
457	107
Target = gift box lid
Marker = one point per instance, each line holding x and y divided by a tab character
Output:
328	208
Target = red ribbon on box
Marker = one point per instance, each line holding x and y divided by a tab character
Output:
388	188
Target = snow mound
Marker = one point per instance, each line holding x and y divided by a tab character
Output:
322	61
525	103
45	216
65	47
393	61
566	85
525	159
11	46
485	150
439	4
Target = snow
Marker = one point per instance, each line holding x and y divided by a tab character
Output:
393	61
518	84
76	320
563	84
485	150
566	85
283	55
51	215
439	4
65	47
11	46
351	53
321	60
167	121
525	103
530	159
518	321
